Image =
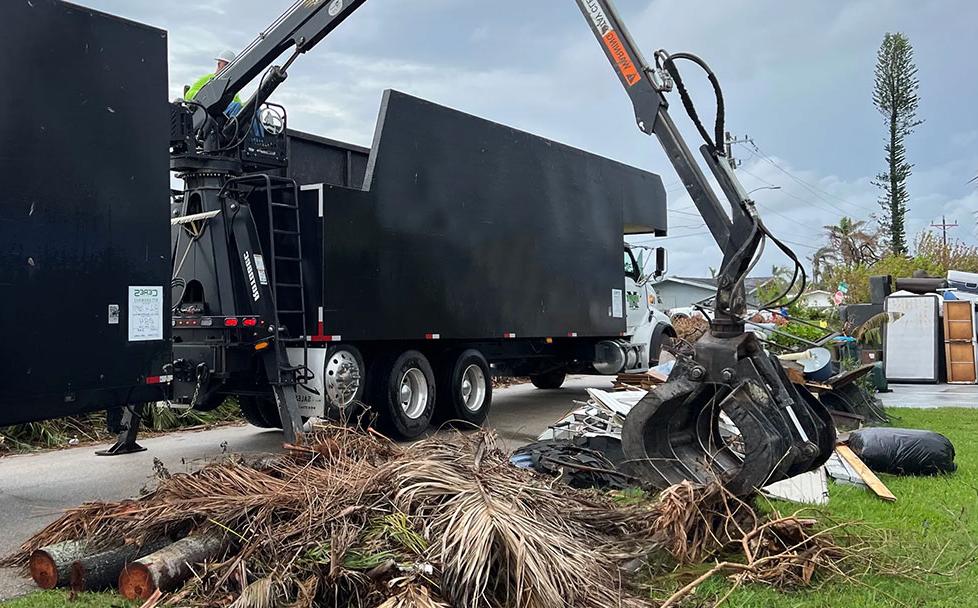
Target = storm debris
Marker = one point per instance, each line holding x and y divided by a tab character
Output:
353	519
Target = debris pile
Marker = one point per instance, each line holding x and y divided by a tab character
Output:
352	519
690	329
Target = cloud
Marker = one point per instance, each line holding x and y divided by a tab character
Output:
797	77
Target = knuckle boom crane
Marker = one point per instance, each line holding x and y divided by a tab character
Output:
261	300
246	271
674	433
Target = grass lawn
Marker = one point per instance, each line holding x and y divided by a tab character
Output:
930	512
930	515
59	599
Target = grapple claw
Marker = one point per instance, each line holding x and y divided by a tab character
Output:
746	432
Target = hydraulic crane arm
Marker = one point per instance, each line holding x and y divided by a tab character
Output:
738	234
300	28
651	109
673	433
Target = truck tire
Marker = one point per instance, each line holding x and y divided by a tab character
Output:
465	388
344	383
402	392
260	411
662	336
550	380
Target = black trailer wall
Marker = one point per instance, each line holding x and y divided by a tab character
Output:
470	229
84	230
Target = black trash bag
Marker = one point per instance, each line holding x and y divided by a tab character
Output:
904	451
582	462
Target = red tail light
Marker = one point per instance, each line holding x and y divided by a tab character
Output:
230	322
250	322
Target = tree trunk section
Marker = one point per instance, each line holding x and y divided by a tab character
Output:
167	568
50	566
101	571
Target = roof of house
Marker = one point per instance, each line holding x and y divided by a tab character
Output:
750	283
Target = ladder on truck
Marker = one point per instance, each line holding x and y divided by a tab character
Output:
283	270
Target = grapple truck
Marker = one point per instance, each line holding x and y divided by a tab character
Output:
308	277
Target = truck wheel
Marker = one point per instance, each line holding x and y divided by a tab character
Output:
549	380
343	380
659	341
260	411
465	386
402	392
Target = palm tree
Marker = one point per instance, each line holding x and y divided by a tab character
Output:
849	244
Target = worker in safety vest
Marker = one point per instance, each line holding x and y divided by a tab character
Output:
222	62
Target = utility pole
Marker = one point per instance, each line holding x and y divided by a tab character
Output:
728	144
944	227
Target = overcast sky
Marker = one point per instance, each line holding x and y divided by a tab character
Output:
797	78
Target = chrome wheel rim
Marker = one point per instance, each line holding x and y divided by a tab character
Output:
473	388
413	393
342	378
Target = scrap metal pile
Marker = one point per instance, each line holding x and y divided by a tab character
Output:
352	519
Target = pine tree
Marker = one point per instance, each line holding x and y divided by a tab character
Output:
895	96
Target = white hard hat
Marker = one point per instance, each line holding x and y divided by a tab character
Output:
227	56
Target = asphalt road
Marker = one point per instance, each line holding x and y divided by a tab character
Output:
35	488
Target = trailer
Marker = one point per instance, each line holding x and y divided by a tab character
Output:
453	250
84	250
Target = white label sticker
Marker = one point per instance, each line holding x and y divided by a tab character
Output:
594	11
145	314
617	303
114	314
252	277
260	268
335	8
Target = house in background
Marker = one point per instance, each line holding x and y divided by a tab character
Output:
817	298
682	292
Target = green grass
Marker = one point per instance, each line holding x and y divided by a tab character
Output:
90	428
930	512
60	599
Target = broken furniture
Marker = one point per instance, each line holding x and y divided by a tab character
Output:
960	346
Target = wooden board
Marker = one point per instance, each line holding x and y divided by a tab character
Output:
868	477
959	320
646	381
959	341
961	367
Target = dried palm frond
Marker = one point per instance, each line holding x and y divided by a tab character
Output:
351	519
694	522
263	593
413	595
501	540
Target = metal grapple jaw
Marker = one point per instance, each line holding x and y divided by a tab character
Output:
729	415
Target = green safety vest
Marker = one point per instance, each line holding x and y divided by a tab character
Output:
197	86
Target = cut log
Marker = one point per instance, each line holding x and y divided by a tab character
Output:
101	571
50	566
167	568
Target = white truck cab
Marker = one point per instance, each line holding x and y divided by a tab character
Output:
647	326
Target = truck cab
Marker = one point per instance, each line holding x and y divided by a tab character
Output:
646	324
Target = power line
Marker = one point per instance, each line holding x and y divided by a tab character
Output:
807	201
944	226
774	211
812	247
812	188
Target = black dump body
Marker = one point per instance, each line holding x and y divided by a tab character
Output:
84	211
465	228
